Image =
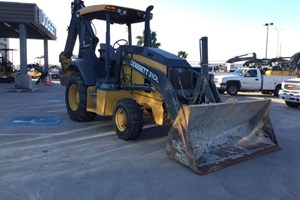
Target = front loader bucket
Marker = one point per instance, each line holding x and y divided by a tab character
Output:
208	137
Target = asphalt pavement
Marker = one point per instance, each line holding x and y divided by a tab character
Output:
45	155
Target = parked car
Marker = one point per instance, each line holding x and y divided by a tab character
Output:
248	79
290	92
54	74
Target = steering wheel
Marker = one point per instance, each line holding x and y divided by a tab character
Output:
119	43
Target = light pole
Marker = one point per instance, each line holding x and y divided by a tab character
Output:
267	25
278	31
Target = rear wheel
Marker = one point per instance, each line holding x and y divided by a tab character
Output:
232	89
292	104
76	99
128	119
276	91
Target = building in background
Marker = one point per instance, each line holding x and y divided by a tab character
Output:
25	21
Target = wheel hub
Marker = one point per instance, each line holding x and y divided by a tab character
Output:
73	97
121	119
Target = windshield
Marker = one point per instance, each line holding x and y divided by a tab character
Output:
239	72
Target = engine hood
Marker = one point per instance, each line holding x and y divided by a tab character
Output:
227	76
293	80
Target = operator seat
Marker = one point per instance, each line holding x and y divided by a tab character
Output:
103	52
112	59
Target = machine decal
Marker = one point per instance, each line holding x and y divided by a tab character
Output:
144	70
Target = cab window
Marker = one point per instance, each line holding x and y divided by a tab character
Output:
251	73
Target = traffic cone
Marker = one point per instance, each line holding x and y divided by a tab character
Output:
47	81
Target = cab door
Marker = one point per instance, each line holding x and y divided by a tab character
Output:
251	80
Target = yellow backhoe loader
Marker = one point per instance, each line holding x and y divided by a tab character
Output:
132	83
7	72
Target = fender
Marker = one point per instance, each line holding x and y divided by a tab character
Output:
88	73
234	82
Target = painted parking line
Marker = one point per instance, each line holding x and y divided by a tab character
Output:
35	120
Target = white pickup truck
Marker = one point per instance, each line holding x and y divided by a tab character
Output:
248	79
290	92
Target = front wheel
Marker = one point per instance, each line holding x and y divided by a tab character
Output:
128	119
232	89
76	99
292	104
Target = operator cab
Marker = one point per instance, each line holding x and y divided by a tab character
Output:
110	55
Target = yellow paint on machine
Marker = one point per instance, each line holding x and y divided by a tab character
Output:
149	62
153	101
104	106
104	103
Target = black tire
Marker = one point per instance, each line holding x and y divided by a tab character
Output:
232	89
128	119
276	91
292	104
76	99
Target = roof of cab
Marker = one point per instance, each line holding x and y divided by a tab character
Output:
119	15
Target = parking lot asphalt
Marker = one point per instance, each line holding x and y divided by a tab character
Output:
45	155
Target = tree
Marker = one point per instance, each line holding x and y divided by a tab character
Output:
153	37
182	54
154	42
140	41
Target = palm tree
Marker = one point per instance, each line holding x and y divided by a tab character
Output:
140	41
182	54
154	42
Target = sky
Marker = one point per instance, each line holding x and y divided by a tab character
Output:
233	27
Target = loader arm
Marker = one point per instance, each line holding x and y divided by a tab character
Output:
201	90
161	83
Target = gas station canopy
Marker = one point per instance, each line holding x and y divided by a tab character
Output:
38	24
25	21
